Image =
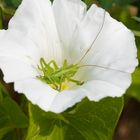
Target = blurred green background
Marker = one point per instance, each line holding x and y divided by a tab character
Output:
128	12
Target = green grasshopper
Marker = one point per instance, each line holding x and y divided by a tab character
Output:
55	76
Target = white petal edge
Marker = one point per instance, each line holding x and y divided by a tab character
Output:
94	90
17	56
37	92
15	69
97	90
49	99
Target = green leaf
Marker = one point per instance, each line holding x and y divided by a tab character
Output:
4	131
136	76
8	11
86	121
3	91
88	2
1	19
11	116
11	136
133	91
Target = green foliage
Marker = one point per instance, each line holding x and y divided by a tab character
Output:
87	121
1	19
136	32
108	4
3	92
134	90
11	3
11	116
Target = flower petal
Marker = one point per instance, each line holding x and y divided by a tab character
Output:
47	98
15	69
115	47
70	98
112	57
31	35
91	89
112	43
86	31
15	56
97	90
37	92
14	43
68	13
36	21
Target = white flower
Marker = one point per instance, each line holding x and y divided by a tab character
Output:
63	30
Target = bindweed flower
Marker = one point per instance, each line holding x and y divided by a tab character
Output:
58	53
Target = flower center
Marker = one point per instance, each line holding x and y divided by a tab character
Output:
58	77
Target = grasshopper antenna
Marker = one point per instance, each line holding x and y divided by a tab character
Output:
103	68
94	39
103	22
